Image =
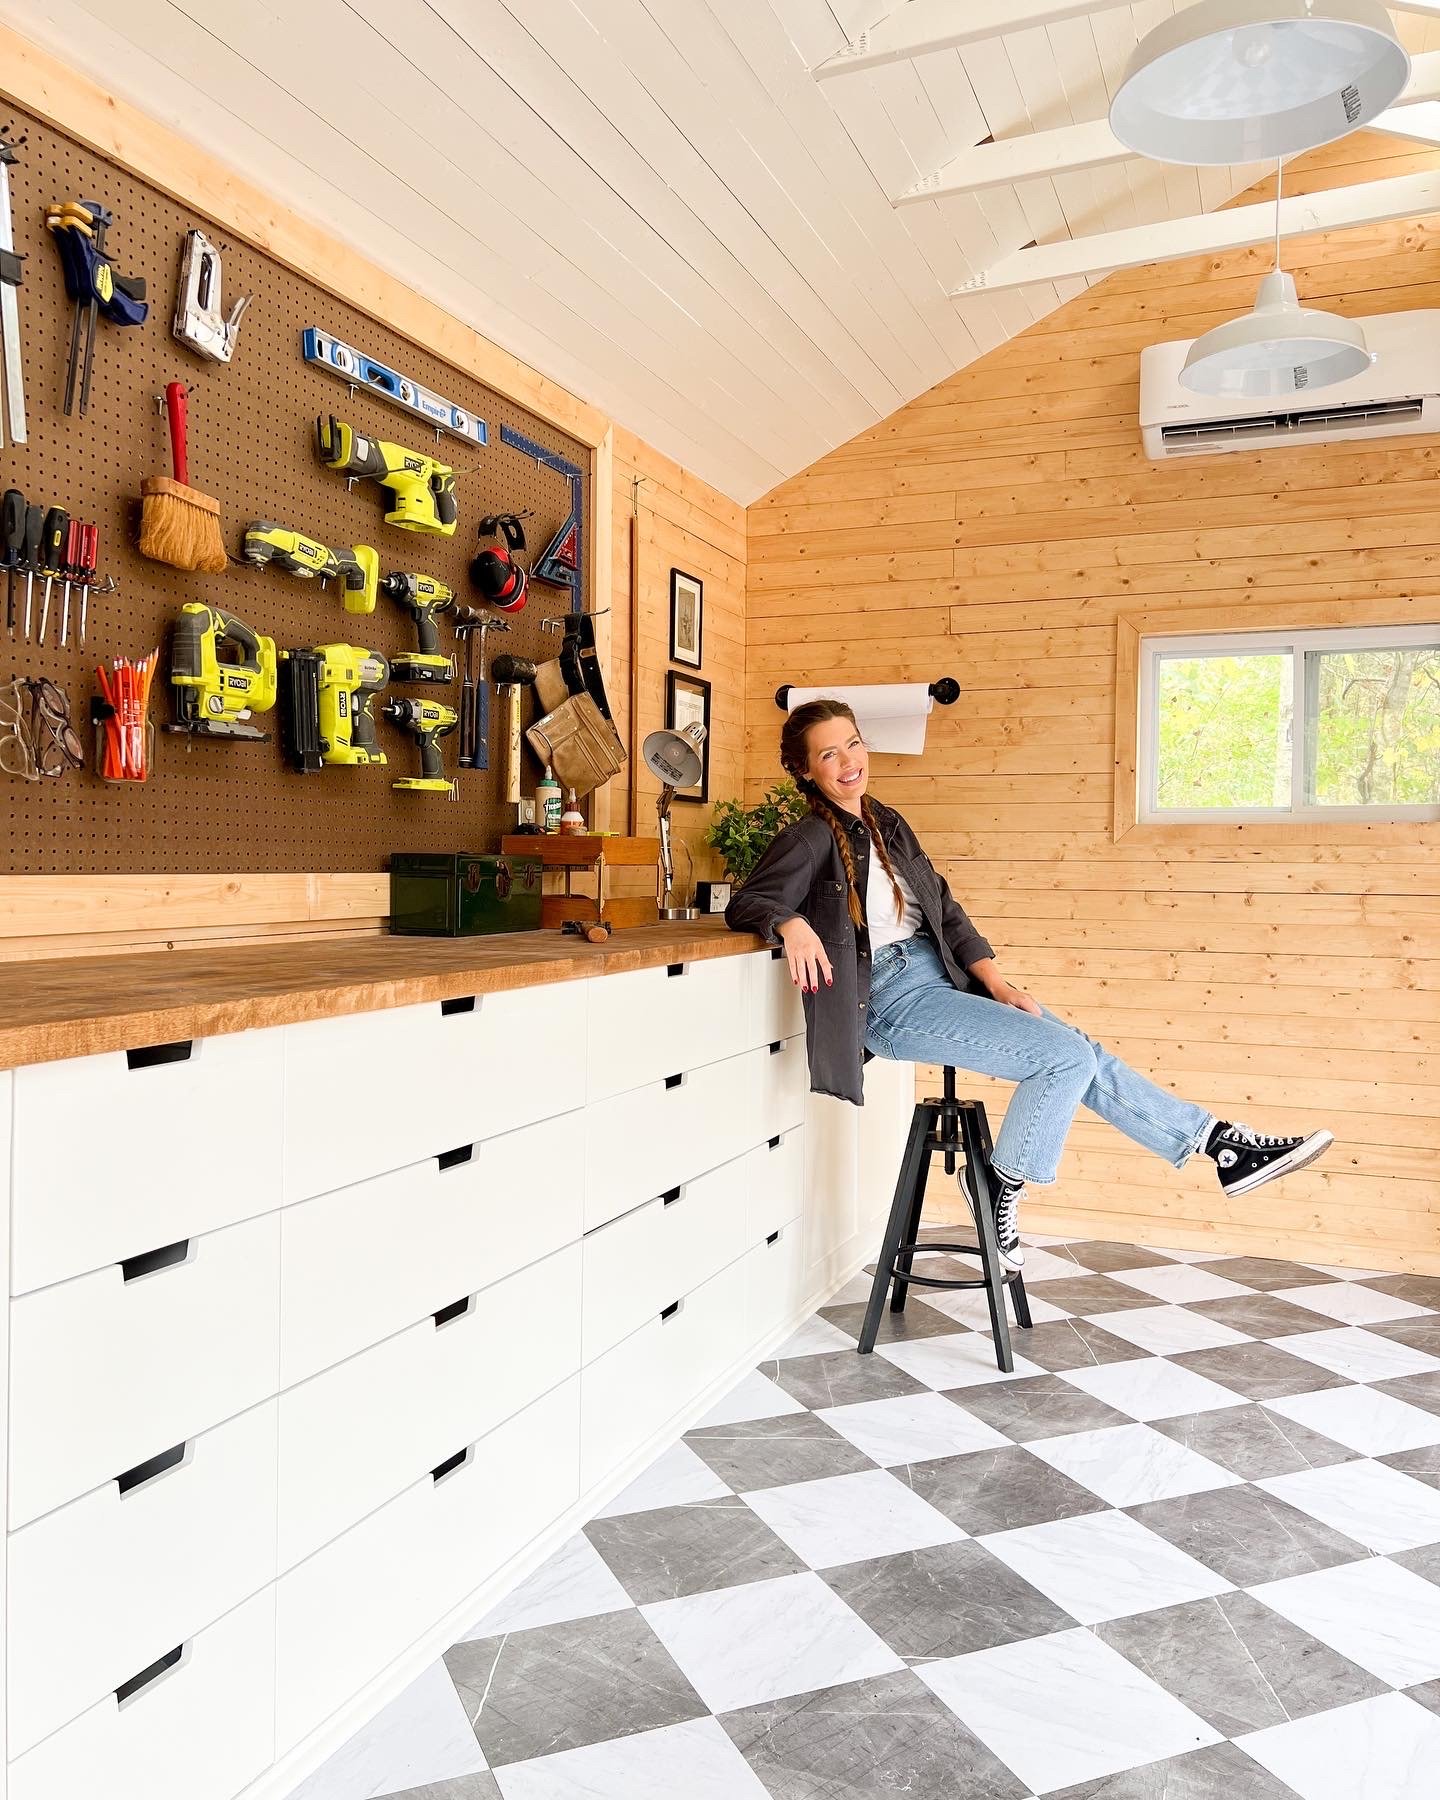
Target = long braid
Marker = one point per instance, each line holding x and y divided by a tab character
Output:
822	808
877	839
794	758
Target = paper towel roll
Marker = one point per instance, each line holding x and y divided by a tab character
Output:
891	718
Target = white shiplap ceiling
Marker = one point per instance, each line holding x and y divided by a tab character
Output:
654	201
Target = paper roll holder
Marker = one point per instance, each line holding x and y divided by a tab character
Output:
944	692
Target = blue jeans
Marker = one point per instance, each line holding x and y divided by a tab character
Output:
915	1015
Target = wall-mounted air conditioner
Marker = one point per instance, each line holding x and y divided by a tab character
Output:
1397	396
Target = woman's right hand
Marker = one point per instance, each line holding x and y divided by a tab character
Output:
805	954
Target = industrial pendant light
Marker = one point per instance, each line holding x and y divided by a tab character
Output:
1236	81
1279	347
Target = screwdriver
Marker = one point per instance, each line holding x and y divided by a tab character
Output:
12	528
57	526
34	537
89	557
69	568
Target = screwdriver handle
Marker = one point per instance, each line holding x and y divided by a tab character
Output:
12	526
57	524
89	551
74	537
34	536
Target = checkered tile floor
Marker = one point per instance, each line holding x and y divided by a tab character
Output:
1190	1550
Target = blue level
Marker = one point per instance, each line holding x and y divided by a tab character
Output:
562	563
362	371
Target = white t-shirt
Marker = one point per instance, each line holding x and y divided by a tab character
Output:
886	925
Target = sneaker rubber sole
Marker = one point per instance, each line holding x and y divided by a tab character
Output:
1304	1152
1013	1260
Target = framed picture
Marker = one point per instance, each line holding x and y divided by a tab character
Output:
687	602
687	702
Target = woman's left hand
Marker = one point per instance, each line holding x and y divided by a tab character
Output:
1010	995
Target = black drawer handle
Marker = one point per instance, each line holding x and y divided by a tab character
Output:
154	1055
672	1195
462	1003
774	1238
674	969
673	1081
451	1464
451	1159
150	1262
775	1143
147	1471
775	955
128	1689
671	1310
457	1309
776	1047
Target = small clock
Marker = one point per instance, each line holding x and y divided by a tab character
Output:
712	896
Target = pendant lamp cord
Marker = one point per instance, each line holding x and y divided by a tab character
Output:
1279	182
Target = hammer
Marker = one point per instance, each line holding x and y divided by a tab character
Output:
475	702
510	674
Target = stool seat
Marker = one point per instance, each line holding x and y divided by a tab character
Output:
957	1128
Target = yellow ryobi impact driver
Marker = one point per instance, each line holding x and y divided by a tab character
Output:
427	721
357	569
423	489
424	598
221	672
326	694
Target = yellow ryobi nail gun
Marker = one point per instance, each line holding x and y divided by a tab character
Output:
427	721
424	598
357	569
215	693
327	714
423	489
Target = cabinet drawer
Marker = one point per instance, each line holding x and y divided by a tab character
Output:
353	1607
649	1023
776	1009
631	1391
200	1730
117	1153
784	1085
105	1585
636	1265
106	1372
774	1183
370	1260
375	1091
355	1436
775	1281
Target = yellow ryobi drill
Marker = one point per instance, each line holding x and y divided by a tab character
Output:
222	672
424	598
358	568
427	721
326	694
423	489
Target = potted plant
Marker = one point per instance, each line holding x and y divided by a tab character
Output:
741	835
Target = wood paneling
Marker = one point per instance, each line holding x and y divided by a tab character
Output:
1008	529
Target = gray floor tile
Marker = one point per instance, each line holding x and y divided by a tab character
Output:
998	1490
841	1379
868	1740
1264	1272
1416	1390
1102	1258
1420	1290
1237	1664
677	1550
1247	1535
1074	1343
1423	1464
1223	1772
763	1453
1041	1406
534	1692
1258	1371
1420	1333
463	1787
1424	1562
1253	1443
1262	1315
1428	1694
1091	1294
945	1601
917	1320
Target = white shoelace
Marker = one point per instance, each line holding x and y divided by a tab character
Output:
1007	1228
1258	1139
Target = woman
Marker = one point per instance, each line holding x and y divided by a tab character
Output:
891	966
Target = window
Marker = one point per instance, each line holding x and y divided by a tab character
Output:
1304	724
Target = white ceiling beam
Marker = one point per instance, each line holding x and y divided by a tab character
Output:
1337	209
1093	145
920	26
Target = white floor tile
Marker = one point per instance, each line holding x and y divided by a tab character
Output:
677	1477
1151	1388
695	1759
1343	1274
575	1583
1388	1745
1180	1282
1360	1419
1129	1464
766	1639
1381	1616
1044	1265
965	1360
912	1428
422	1736
1368	1501
1166	1330
1186	1256
1030	1237
851	1518
1064	1709
973	1309
856	1289
756	1397
1104	1566
1351	1303
814	1338
1358	1354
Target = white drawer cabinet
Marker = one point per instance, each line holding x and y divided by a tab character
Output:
102	1587
356	1435
118	1154
199	1730
107	1372
774	1281
774	1172
783	1084
775	1007
375	1091
650	1023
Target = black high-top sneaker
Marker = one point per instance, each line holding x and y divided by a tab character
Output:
1005	1198
1246	1159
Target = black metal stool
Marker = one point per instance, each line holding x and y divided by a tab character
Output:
950	1125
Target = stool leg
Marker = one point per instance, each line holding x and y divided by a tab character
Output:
906	1259
913	1165
979	1171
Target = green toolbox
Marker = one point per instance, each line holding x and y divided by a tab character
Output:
463	895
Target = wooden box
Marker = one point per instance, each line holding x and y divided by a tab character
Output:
597	853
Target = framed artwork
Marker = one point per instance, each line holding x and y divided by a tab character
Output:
687	602
687	702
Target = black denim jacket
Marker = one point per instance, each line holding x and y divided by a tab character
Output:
802	873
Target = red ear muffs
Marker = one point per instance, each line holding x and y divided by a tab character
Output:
500	579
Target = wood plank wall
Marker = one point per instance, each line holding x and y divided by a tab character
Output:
995	529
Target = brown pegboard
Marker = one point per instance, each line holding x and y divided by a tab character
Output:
215	807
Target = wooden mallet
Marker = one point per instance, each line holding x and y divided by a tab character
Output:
510	674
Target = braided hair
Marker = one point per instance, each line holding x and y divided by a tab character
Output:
794	759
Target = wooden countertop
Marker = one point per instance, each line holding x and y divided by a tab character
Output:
82	1005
